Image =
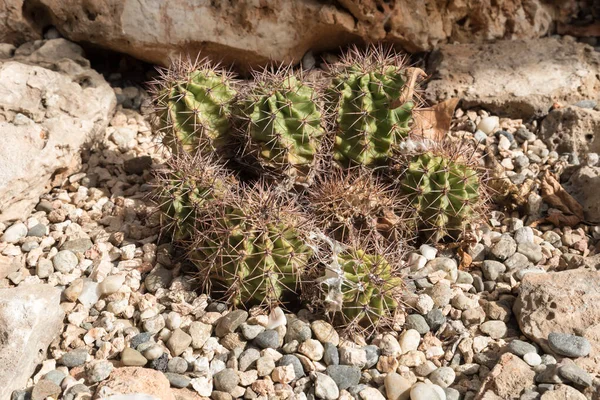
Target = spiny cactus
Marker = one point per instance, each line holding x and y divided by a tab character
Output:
372	98
281	123
193	106
446	188
185	189
354	203
363	287
253	250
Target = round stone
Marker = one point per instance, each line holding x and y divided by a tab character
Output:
492	269
397	387
298	330
442	377
65	261
520	348
532	359
435	318
494	329
488	125
267	339
575	374
409	340
99	371
372	355
14	233
424	391
312	349
389	346
55	376
290	359
416	322
325	387
226	380
331	356
429	252
153	352
325	332
133	358
504	248
177	380
441	293
248	358
74	358
177	365
569	345
344	376
140	338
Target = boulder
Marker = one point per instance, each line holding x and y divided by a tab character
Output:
51	104
135	380
30	319
253	32
562	302
584	186
572	129
16	27
519	79
507	380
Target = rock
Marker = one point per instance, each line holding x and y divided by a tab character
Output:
265	365
583	186
547	304
45	130
283	374
370	393
325	332
159	278
494	329
416	322
137	165
226	380
200	333
269	338
507	380
574	374
140	338
248	358
325	387
530	75
129	380
568	345
55	376
230	322
30	319
492	269
177	380
178	342
532	359
563	392
520	348
177	365
353	356
77	245
397	387
14	233
435	318
532	251
99	371
572	130
424	391
298	330
443	377
441	293
312	349
290	359
74	358
202	385
45	388
345	376
389	346
132	358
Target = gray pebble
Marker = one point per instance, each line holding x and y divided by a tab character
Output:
548	359
55	376
492	269
217	306
443	377
140	338
504	248
494	329
477	252
77	245
416	322
545	387
267	339
249	332
331	356
532	251
99	371
478	283
452	394
65	261
74	358
39	230
226	380
520	348
290	359
160	363
575	374
441	293
569	345
248	358
516	262
547	374
344	376
177	365
372	355
489	286
298	330
464	277
177	380
435	318
530	395
28	246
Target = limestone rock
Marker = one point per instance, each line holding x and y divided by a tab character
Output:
128	380
30	318
51	104
520	79
507	379
572	129
16	27
584	186
559	302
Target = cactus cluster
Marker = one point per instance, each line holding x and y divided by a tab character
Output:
334	235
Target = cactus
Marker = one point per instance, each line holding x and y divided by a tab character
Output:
252	251
355	203
185	189
281	123
193	106
363	288
371	97
446	190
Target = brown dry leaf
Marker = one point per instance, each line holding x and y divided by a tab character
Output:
570	212
503	190
434	122
465	259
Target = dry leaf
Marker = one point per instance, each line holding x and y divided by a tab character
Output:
434	122
465	259
569	211
503	190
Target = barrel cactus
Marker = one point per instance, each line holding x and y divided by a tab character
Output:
193	107
371	98
281	124
254	250
446	189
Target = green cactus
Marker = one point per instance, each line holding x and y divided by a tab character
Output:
445	190
281	124
368	293
193	107
252	251
371	97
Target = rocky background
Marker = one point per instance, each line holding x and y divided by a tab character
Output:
92	304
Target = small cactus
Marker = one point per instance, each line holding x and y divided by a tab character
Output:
281	124
446	189
193	106
253	250
371	97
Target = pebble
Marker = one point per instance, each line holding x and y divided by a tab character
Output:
283	374
140	338
202	385
569	345
325	332
325	387
504	248
520	348
370	393
153	352
248	358
532	251
74	358
267	339
344	376
65	261
353	356
312	349
14	233
230	322
77	245
575	374
177	380
55	376
427	251
488	124
290	359
298	330
424	391
441	293
45	389
397	387
39	230
111	284
416	322
452	394
265	365
480	136
226	380
99	371
435	319
532	359
249	332
492	269
443	376
200	332
177	365
132	357
331	356
517	261
494	329
389	346
178	342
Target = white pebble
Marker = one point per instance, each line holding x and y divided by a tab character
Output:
173	320
276	318
202	385
592	159
15	233
416	261
480	136
424	304
423	391
409	340
488	124
89	294
532	359
111	284
429	252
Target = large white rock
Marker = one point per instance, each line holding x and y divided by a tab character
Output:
30	318
51	104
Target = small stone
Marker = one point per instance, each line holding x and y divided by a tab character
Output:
202	385
298	330
140	338
153	352
441	293
344	376
520	348
575	374
312	349
230	322
443	377
74	358
532	251
14	233
371	393
200	333
524	235
416	322
331	356
65	261
177	365
372	355
409	340
325	332
492	269
267	339
133	358
424	391
480	136
325	387
178	342
45	388
137	165
55	376
424	304
435	319
39	230
177	380
568	345
429	252
488	125
397	387
290	359
99	371
265	365
226	380
389	346
353	356
452	394
504	248
248	358
532	359
516	262
111	284
77	245
283	374
249	332
159	278
74	290
494	329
